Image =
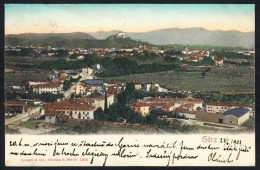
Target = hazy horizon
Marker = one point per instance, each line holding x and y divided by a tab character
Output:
135	18
124	31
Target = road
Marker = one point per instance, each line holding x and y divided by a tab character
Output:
68	93
21	116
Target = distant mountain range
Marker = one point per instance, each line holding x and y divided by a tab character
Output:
190	36
68	40
32	36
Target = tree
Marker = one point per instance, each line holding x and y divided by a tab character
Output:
99	114
203	74
105	107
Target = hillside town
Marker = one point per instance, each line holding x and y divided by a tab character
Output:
79	94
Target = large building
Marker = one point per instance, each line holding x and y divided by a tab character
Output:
50	87
74	108
236	116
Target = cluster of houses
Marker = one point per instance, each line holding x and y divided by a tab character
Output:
198	55
152	87
193	108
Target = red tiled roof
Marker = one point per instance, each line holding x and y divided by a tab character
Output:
68	106
174	99
219	58
182	110
50	112
227	104
168	105
15	102
188	105
50	84
138	104
192	58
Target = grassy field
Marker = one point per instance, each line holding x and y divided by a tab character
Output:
219	79
31	124
27	60
38	75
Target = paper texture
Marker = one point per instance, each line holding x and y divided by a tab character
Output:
131	150
129	85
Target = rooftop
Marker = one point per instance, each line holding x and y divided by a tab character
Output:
92	82
182	110
138	104
50	84
158	99
228	104
69	104
15	102
238	112
219	58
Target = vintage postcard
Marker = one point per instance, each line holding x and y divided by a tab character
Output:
129	84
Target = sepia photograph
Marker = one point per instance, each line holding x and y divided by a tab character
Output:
178	70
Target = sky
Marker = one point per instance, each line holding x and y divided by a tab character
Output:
65	18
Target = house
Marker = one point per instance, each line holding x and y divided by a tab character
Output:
63	76
51	87
189	106
100	101
50	115
138	86
219	61
79	57
93	84
141	108
121	35
112	90
74	75
186	113
236	116
127	49
70	52
209	117
168	107
33	83
82	89
188	51
192	59
217	107
147	86
51	54
37	101
87	71
15	106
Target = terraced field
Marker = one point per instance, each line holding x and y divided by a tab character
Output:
219	79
